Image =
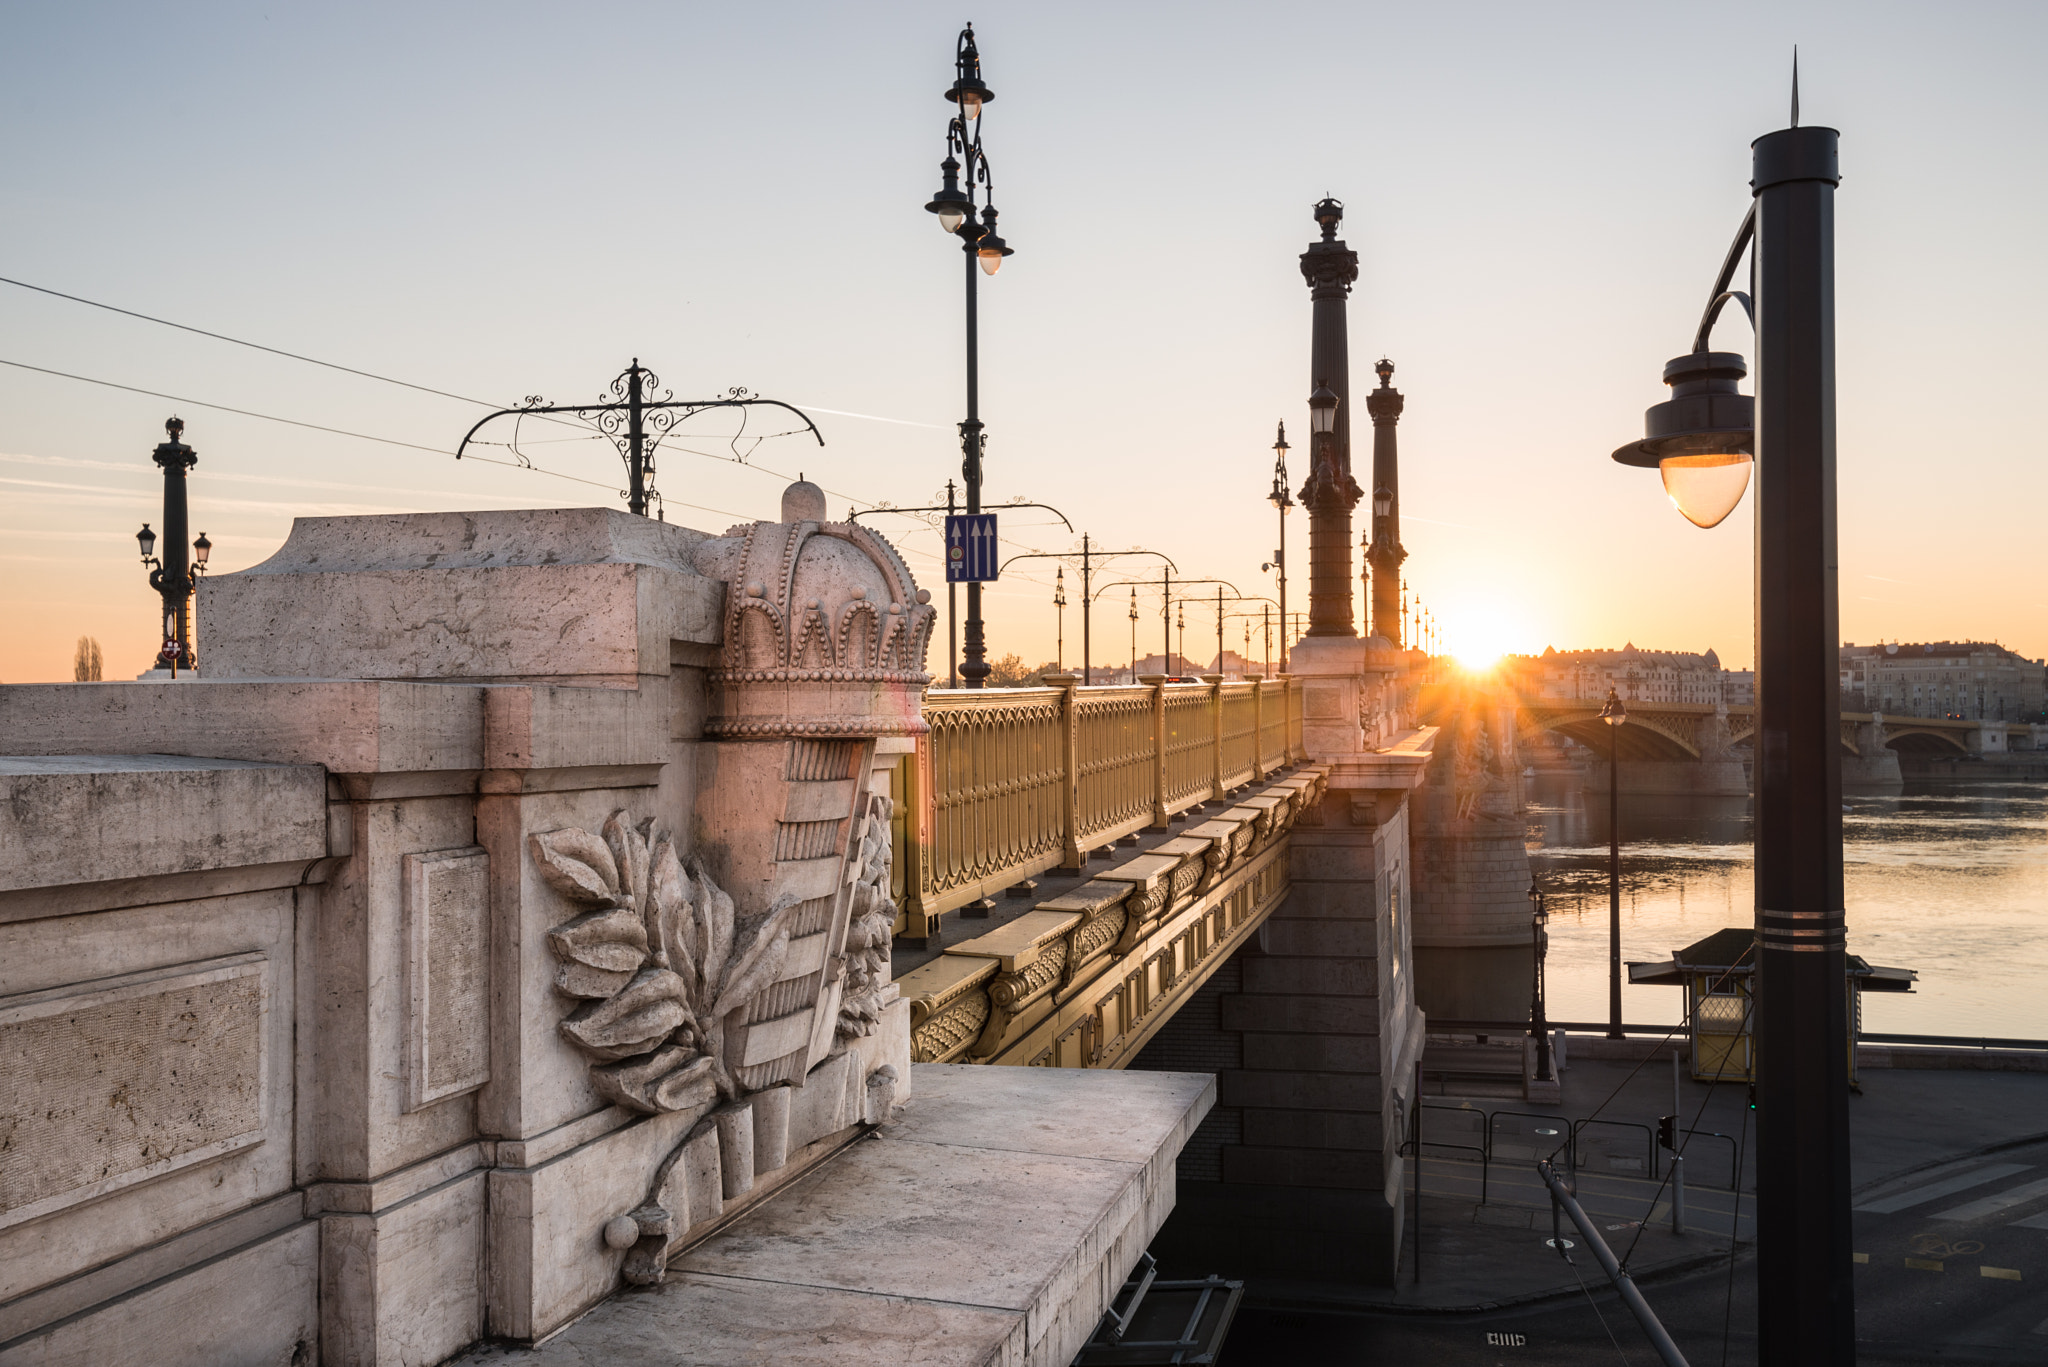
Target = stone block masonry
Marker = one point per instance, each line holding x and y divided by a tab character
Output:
354	1019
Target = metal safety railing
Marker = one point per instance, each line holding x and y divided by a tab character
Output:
1011	782
1507	1135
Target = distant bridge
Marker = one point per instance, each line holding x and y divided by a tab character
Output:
1678	731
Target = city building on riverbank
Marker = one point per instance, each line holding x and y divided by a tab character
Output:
1972	680
1635	675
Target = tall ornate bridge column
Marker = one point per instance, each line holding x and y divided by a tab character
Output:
1330	493
1385	552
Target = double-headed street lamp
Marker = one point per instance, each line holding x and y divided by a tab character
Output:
1615	714
984	247
173	577
1704	440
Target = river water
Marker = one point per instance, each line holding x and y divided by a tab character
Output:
1947	878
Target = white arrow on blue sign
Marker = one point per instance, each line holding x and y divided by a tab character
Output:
970	548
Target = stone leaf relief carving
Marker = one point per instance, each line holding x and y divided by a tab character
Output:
869	927
659	960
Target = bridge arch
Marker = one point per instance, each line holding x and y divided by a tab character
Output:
1908	739
1642	737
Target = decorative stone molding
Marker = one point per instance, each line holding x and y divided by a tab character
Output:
868	929
1098	960
664	967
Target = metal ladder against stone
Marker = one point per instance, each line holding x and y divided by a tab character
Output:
1162	1322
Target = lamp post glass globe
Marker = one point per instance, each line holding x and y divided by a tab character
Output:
147	540
1382	501
1615	713
201	549
1322	410
1701	438
1706	488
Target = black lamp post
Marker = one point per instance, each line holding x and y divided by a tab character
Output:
173	577
1134	635
1284	501
1615	714
983	246
1539	943
1703	440
1059	607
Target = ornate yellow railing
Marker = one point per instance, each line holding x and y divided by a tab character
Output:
1276	733
1014	781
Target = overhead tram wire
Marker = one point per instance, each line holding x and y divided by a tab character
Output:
223	408
382	379
328	365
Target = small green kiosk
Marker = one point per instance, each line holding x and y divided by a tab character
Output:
1719	978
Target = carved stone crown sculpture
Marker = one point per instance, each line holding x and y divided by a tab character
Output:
825	630
665	968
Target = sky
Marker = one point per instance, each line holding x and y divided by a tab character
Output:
503	200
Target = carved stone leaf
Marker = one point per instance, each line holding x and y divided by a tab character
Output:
760	963
710	939
614	940
576	864
629	851
632	1022
674	1077
668	908
581	980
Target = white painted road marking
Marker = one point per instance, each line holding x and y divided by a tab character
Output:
2032	1222
1991	1205
1947	1186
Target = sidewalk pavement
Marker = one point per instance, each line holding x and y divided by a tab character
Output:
1487	1255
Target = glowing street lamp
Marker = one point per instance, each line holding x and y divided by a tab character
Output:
1704	440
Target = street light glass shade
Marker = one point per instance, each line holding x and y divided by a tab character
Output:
1322	411
201	549
1615	713
991	262
1382	502
951	217
147	540
1706	488
970	105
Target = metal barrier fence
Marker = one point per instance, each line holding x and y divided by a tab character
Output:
1506	1135
1011	782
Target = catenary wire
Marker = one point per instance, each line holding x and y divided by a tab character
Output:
384	379
221	407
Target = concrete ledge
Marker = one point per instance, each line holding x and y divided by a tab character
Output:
94	818
991	1222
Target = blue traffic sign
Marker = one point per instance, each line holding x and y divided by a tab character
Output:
970	548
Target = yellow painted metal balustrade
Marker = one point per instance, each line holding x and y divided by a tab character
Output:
1014	781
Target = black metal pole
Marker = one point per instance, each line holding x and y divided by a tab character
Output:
1219	630
1416	1125
1614	882
952	613
1166	620
1087	606
975	671
1806	1311
1283	590
636	436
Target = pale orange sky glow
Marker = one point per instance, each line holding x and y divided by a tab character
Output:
1539	197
